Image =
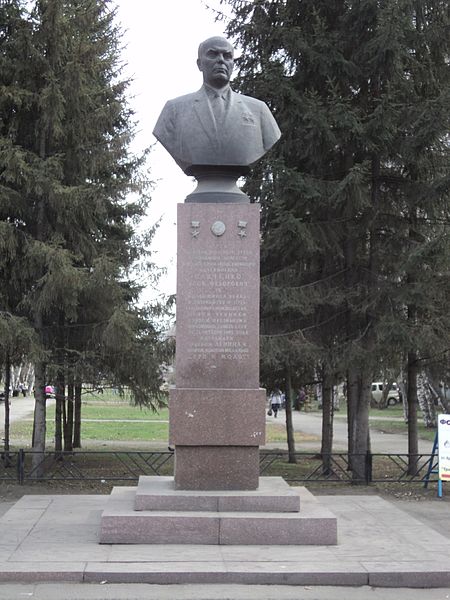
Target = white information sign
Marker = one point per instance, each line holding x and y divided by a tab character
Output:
444	447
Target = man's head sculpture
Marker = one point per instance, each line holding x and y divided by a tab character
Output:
215	133
216	61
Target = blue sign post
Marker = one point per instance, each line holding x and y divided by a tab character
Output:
433	466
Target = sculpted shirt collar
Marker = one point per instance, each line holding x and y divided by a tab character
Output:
212	93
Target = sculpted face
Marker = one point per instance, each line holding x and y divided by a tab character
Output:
215	61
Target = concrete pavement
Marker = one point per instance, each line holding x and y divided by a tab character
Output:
55	538
70	591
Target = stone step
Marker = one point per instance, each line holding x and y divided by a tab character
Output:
332	573
121	524
273	495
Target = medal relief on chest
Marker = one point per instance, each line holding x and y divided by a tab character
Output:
248	119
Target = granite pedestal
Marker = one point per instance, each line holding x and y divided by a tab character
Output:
157	513
217	410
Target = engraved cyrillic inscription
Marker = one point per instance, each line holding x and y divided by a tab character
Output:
219	303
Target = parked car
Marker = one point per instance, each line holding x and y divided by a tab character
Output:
393	397
49	391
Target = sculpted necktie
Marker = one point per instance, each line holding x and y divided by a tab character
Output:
218	107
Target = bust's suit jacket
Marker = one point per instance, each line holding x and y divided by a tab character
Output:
188	131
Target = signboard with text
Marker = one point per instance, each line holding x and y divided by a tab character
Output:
444	447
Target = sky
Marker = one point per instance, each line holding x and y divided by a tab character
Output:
161	39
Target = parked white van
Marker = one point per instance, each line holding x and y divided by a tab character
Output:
393	394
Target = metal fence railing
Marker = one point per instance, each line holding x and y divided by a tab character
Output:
122	466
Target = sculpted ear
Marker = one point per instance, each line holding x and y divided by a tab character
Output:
199	64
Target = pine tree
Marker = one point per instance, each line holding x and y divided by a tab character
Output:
66	157
360	92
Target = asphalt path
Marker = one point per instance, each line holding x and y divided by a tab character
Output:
310	423
19	408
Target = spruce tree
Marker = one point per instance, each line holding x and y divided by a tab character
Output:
67	157
360	91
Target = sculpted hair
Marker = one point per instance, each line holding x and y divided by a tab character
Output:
202	46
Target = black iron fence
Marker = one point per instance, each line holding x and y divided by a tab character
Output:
25	466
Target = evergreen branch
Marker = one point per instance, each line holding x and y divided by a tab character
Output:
303	329
305	285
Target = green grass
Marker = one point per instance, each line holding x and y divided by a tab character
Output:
156	431
392	411
98	410
115	431
108	396
103	408
277	433
108	406
396	425
401	427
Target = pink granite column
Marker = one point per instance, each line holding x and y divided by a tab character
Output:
217	410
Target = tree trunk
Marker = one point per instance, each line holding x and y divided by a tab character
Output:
289	425
387	385
15	377
77	416
68	420
30	379
39	426
361	430
413	442
426	398
439	393
327	420
404	395
349	247
352	402
59	411
7	387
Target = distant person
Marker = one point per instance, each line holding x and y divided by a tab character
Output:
276	399
301	398
216	126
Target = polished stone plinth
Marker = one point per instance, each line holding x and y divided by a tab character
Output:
217	332
217	468
217	449
223	417
273	495
246	518
217	409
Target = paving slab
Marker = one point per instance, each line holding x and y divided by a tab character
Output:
114	591
231	572
56	540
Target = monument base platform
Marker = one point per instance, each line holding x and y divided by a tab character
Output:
272	495
54	538
271	516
